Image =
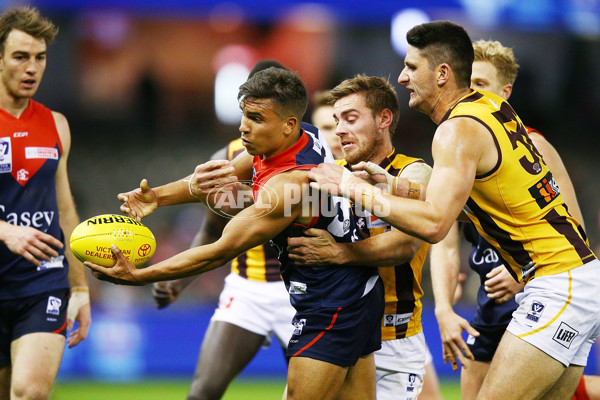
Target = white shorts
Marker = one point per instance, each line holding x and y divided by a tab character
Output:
400	368
560	314
260	307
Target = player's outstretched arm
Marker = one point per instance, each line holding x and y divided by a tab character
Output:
445	267
253	226
461	149
165	293
388	249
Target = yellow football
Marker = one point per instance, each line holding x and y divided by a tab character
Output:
91	240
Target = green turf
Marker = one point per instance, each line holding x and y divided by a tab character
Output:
176	390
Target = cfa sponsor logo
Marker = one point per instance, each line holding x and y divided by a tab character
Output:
545	190
536	311
38	219
298	326
53	306
564	335
229	199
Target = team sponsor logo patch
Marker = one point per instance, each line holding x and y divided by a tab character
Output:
54	262
53	306
41	152
536	311
471	340
298	326
564	335
5	155
374	222
396	319
545	190
297	288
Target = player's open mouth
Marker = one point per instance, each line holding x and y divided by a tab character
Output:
29	83
346	145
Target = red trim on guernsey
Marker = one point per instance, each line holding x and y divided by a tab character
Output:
59	330
264	169
320	334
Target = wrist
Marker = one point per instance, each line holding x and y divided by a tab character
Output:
443	309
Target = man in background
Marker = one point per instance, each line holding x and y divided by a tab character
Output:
39	276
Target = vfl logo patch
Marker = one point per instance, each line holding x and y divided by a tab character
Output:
537	309
299	325
297	288
471	340
564	335
5	155
545	190
53	306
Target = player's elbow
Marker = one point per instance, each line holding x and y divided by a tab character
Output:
434	232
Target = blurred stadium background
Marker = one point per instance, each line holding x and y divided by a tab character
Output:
149	89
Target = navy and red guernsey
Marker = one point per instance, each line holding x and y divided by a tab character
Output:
322	286
30	150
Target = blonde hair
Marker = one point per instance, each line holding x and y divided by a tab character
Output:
28	20
502	58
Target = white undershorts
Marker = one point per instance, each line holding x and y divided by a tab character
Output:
260	307
400	368
560	314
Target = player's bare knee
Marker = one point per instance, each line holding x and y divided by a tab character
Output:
30	391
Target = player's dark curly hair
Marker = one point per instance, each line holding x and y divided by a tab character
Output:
284	88
445	42
28	20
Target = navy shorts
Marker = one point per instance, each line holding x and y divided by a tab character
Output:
340	335
484	346
46	312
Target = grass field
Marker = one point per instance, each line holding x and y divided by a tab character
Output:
176	390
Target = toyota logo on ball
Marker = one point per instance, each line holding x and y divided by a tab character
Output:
144	250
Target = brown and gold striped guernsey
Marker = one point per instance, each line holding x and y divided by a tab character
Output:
402	283
517	206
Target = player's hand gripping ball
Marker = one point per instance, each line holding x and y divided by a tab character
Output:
91	240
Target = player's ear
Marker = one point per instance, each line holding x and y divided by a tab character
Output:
385	118
290	125
443	73
506	91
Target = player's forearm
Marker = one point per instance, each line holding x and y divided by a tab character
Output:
189	263
444	278
380	251
174	193
413	217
